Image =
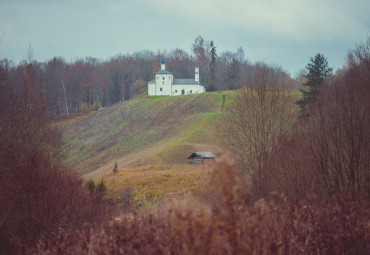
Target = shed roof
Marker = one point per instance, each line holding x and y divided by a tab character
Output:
202	154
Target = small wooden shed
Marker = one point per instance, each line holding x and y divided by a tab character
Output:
198	157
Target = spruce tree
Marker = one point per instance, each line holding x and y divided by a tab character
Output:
318	71
213	63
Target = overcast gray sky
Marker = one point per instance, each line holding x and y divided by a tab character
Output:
283	32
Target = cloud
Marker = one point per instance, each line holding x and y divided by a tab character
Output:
267	29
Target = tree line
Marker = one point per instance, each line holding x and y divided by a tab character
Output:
88	84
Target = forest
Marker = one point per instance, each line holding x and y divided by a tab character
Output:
87	84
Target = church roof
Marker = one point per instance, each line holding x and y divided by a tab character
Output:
164	72
184	81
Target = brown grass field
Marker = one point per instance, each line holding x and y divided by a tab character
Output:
155	182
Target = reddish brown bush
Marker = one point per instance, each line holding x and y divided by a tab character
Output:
230	226
37	192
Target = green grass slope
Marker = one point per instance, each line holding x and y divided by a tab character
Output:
144	131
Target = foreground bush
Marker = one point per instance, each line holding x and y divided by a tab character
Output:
37	192
220	221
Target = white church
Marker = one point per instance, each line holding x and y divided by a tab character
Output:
165	85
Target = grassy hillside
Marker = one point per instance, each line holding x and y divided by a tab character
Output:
144	131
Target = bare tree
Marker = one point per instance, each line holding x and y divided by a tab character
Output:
338	135
201	50
258	117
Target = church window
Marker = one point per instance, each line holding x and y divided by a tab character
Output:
176	91
163	77
191	91
160	89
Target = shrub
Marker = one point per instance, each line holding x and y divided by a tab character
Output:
212	86
91	186
127	197
101	188
115	168
96	106
85	108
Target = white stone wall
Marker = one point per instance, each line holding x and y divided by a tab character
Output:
186	89
163	84
151	89
174	90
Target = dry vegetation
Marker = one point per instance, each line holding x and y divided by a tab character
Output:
147	185
306	192
220	220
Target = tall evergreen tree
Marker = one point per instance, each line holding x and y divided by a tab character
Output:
318	71
213	63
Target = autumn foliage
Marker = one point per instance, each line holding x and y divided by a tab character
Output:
37	192
221	220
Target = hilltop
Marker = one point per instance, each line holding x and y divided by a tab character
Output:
144	131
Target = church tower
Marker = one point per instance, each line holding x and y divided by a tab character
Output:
163	65
163	81
196	78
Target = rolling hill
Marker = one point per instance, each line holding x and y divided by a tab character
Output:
144	131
